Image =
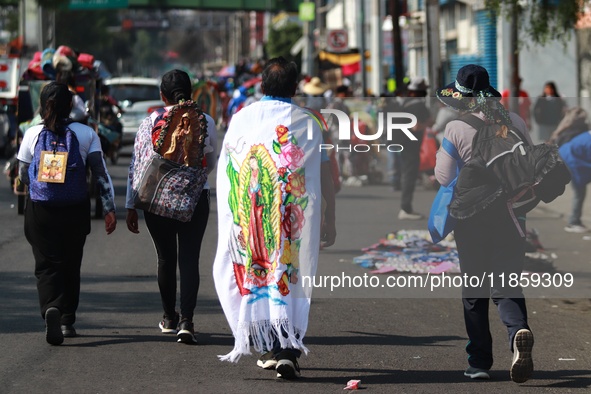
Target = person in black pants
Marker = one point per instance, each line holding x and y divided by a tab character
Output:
175	241
489	243
410	156
164	233
488	235
56	224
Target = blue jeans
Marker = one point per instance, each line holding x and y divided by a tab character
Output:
579	193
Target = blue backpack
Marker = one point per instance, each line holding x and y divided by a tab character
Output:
48	187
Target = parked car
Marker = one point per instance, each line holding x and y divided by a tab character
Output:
138	97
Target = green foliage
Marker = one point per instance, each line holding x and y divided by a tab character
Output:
4	3
281	40
72	28
547	19
147	52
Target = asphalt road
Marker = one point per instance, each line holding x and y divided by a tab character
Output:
391	342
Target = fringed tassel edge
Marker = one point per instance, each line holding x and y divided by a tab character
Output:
262	335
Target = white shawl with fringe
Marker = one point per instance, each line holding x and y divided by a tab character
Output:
269	211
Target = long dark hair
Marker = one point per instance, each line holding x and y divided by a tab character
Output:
56	104
176	86
552	85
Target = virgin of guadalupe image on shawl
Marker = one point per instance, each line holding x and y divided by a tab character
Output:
259	255
256	207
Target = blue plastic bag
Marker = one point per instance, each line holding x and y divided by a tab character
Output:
440	222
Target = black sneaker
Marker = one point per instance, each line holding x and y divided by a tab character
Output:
69	331
53	330
169	326
186	333
522	366
267	361
287	365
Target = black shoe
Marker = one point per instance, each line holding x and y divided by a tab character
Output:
53	331
169	326
287	365
267	361
69	331
186	333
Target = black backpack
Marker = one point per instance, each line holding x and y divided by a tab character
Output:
507	167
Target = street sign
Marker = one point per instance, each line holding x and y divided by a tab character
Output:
97	4
307	12
337	41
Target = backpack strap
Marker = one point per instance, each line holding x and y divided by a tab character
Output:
477	123
451	150
473	121
158	114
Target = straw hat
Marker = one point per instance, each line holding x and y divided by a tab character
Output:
315	87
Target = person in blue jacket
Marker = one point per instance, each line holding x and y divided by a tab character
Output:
576	153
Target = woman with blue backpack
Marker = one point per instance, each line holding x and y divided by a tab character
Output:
52	162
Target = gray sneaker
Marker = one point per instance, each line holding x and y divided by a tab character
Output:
523	365
477	373
403	215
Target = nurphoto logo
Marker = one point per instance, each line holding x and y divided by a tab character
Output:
392	120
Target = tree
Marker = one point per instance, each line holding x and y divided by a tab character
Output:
547	19
281	40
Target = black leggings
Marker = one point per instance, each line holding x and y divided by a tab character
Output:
165	232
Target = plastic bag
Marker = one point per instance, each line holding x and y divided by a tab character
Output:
428	151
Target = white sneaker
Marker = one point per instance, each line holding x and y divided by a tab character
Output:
522	365
576	228
403	215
